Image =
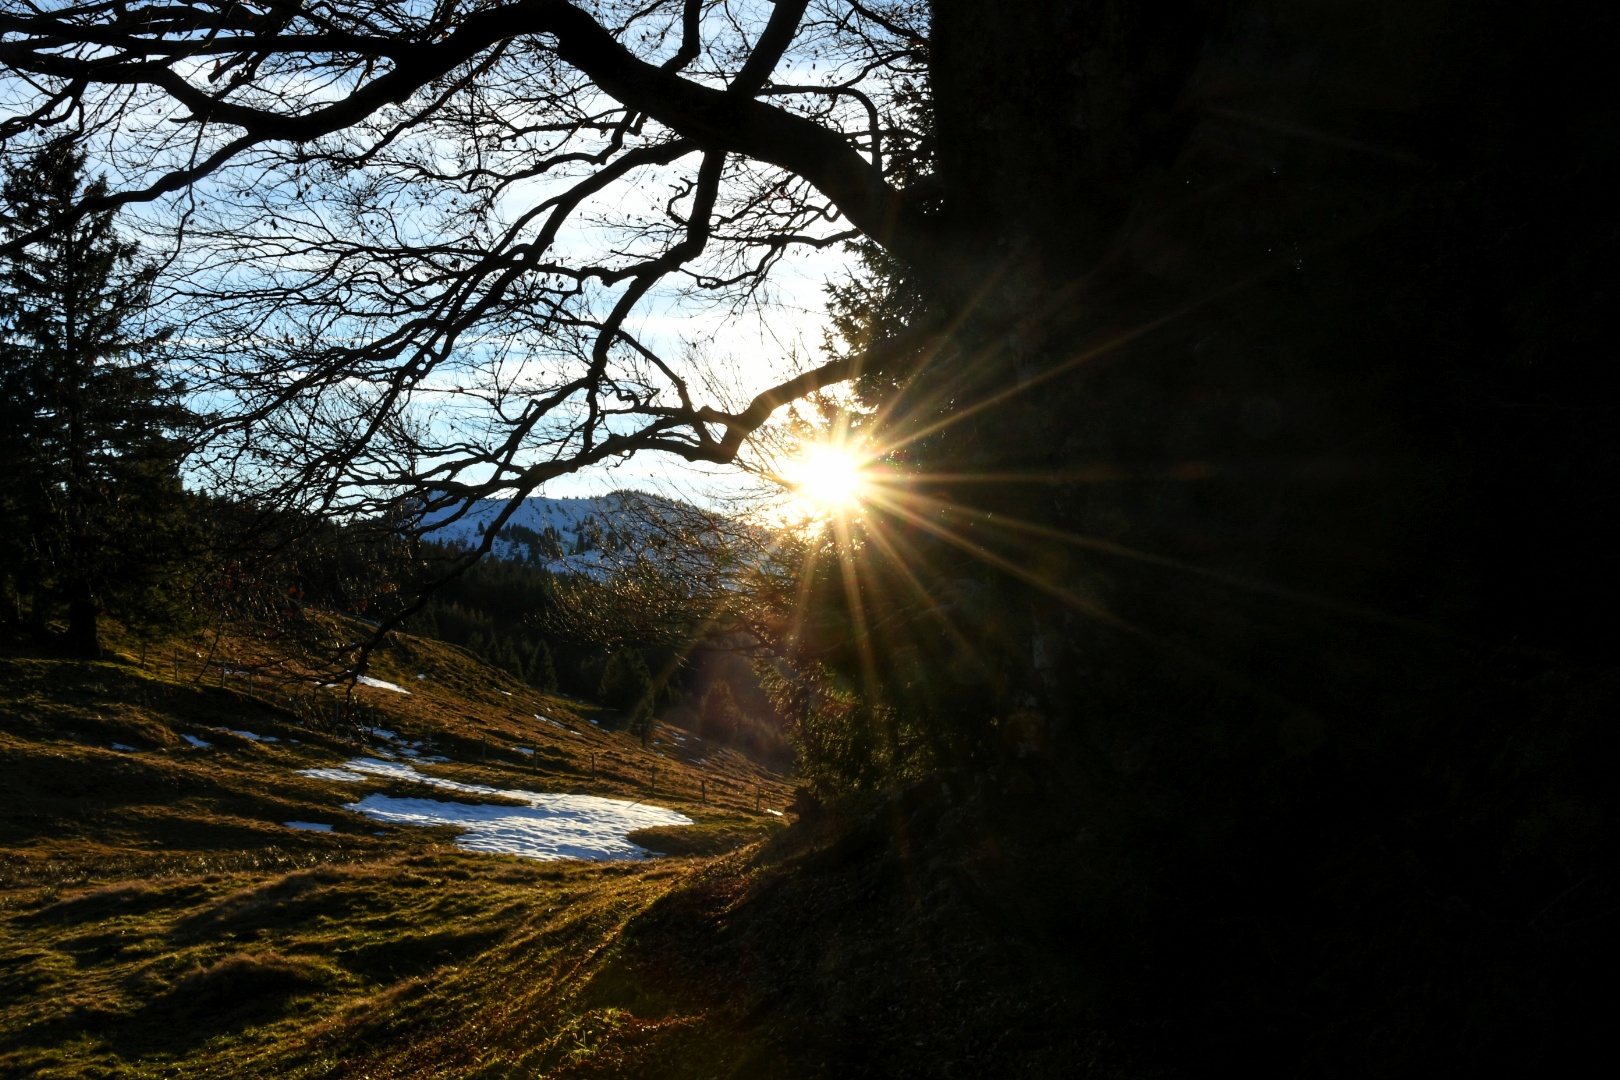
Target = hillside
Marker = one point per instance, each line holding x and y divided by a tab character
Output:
178	855
159	916
587	536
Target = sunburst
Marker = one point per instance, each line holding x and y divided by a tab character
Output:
828	480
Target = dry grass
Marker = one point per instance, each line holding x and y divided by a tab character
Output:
158	919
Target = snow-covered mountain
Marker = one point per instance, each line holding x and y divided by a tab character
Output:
584	536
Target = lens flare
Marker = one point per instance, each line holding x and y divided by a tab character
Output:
828	481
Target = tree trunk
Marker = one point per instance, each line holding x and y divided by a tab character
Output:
83	635
1304	298
1305	327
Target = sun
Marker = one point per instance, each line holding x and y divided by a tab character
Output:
827	481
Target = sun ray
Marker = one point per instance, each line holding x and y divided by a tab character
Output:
1109	547
1084	357
807	575
1082	604
1092	608
857	609
901	561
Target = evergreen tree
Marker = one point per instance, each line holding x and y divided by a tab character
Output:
511	659
719	718
542	668
627	686
90	426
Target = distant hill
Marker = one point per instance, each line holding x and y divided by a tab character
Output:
587	536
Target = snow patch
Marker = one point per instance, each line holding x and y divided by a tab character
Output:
307	826
524	750
198	743
367	680
549	827
248	735
126	749
332	774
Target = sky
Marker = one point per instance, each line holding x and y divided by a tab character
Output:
749	352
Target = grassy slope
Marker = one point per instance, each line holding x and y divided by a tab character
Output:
156	918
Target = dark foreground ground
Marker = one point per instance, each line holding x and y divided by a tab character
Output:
157	919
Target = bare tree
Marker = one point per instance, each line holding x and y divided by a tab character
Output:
415	239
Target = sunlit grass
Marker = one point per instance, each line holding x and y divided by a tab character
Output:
157	919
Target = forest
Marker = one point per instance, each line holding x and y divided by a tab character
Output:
1194	644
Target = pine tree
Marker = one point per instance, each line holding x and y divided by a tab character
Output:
90	427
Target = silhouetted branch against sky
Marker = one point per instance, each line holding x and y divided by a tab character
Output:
457	244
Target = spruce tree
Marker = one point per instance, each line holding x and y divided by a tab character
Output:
90	426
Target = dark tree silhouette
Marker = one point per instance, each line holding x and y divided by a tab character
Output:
91	488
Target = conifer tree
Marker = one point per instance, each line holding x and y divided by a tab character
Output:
90	425
627	686
719	718
511	659
542	668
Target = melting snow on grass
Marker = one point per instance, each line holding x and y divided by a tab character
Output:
307	826
198	743
549	827
248	735
367	680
